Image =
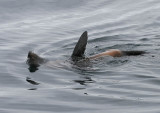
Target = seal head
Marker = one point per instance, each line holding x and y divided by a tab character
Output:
34	61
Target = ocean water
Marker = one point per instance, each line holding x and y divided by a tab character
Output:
51	29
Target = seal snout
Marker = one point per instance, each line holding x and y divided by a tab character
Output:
30	54
34	59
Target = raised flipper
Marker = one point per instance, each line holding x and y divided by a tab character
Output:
80	46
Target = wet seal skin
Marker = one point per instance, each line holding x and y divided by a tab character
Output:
34	61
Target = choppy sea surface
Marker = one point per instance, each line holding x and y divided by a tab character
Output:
51	29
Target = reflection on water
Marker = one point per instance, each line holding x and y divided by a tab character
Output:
32	89
33	68
85	81
31	81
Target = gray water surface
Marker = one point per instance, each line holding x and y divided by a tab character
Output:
51	29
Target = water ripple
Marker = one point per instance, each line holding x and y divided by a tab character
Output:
51	29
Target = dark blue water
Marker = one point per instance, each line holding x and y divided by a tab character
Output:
51	29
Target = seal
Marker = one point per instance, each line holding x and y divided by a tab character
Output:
78	53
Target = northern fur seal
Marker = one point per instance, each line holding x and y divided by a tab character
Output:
78	53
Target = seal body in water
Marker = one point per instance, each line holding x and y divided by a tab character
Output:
78	54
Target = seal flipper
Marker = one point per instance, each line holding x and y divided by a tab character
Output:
133	53
80	46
